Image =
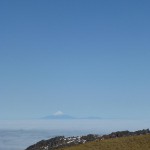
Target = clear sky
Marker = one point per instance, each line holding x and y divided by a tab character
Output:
81	57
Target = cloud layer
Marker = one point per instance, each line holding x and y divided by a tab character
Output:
94	125
17	135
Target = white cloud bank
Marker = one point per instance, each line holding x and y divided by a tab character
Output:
35	130
100	126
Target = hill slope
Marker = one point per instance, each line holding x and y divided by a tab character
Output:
140	142
114	141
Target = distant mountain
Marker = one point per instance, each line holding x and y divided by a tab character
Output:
60	116
69	117
94	118
63	116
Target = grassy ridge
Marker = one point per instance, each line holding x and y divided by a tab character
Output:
141	142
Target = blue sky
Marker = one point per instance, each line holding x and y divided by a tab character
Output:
81	57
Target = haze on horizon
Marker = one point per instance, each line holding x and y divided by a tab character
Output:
84	58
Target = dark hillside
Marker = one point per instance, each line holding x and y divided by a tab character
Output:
139	142
63	142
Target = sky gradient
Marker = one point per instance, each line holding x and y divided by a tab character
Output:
81	57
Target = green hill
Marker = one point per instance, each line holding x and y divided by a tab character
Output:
140	142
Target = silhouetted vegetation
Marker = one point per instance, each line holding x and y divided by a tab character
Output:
102	142
139	142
